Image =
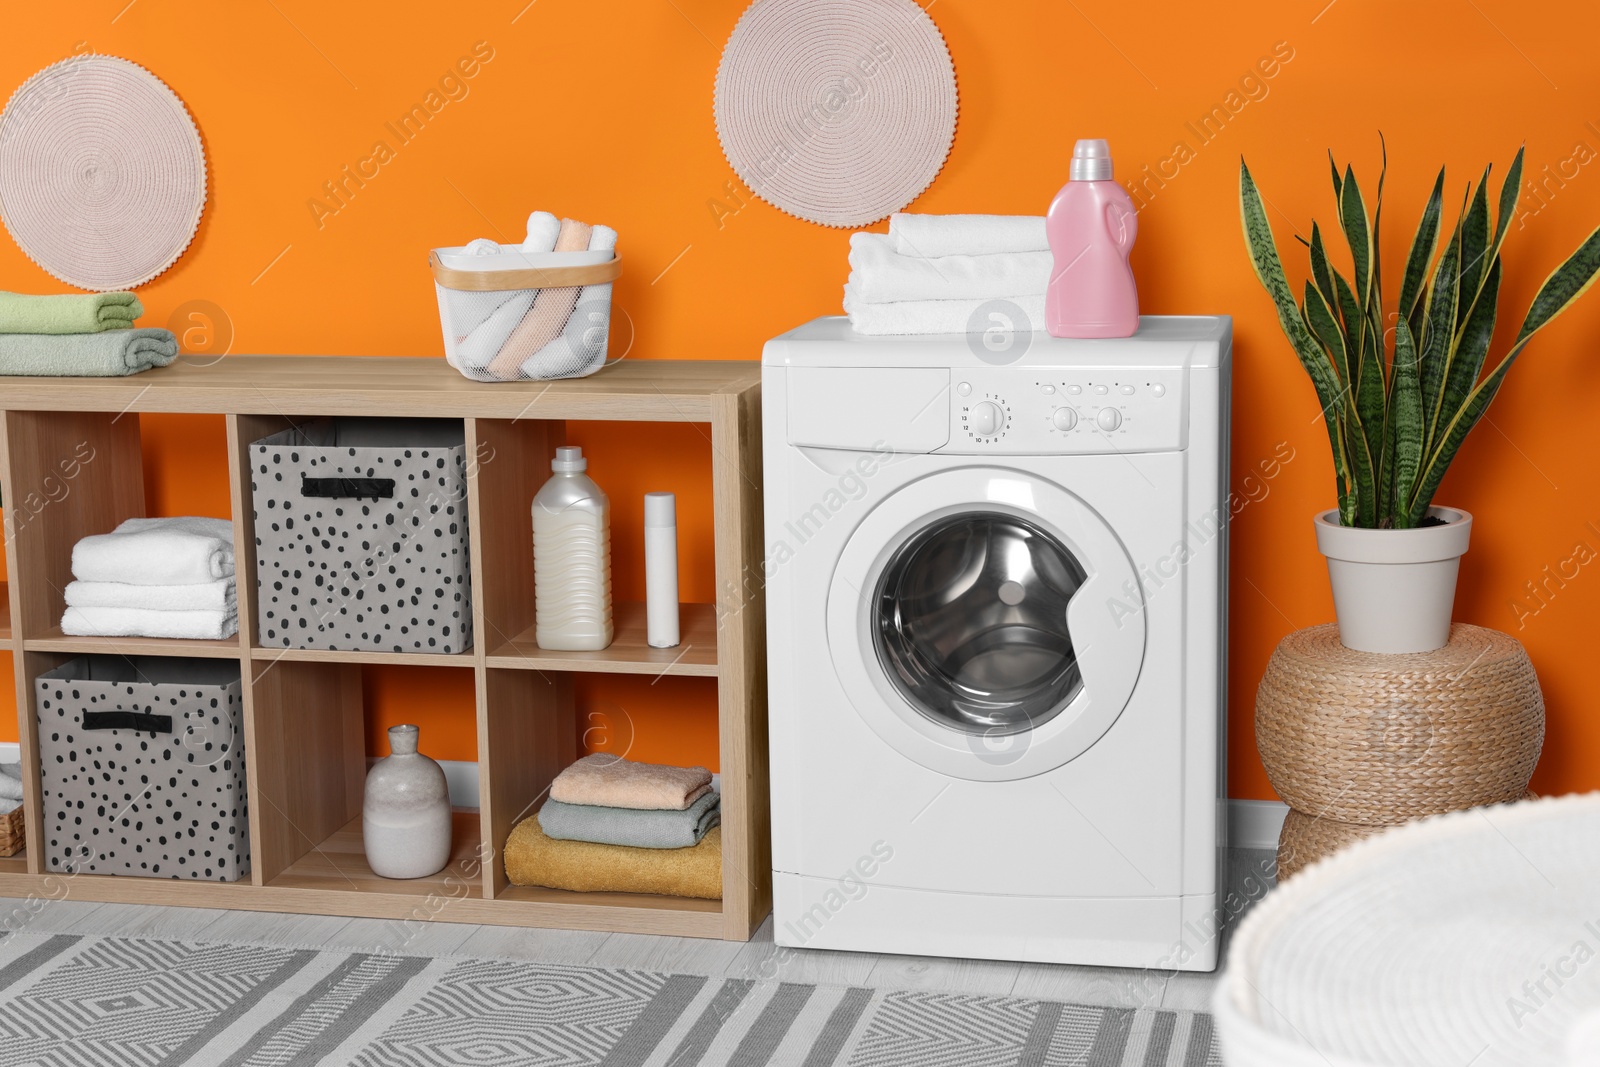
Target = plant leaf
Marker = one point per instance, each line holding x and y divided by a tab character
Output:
1472	343
1438	339
1370	407
1321	271
1564	285
1348	311
1358	232
1413	289
1363	471
1474	247
1263	251
1319	317
1510	190
1406	430
1376	302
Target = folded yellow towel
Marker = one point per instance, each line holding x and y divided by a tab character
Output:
612	782
584	867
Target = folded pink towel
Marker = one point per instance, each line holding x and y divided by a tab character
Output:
609	781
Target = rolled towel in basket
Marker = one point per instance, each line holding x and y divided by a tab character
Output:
68	312
633	827
483	323
534	858
549	311
613	782
175	551
220	595
111	354
562	342
140	622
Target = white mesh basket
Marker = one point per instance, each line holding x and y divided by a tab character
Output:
518	316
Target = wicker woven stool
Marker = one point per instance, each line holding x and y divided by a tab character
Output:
1355	742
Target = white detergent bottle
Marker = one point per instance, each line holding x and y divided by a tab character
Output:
571	558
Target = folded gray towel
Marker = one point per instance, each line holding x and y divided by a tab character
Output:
86	355
10	781
634	827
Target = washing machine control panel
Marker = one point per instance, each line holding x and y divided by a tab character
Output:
1052	410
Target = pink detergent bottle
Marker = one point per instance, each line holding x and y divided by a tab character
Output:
1091	227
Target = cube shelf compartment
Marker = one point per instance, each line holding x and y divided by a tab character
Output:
71	449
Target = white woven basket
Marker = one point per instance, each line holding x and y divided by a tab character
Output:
525	316
1472	937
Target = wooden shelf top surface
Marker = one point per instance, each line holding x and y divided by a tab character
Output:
652	390
53	640
629	652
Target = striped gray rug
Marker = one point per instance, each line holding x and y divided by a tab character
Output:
66	999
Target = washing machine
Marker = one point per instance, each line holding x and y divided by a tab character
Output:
996	633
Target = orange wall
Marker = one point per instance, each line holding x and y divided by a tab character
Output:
603	112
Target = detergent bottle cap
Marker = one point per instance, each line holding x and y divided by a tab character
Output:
1091	161
569	458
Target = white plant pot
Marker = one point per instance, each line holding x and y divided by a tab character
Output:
1394	590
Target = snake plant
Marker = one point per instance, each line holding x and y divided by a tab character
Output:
1397	410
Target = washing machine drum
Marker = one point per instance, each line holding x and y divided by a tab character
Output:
972	624
986	623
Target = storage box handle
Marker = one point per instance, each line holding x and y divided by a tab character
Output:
376	488
490	281
127	720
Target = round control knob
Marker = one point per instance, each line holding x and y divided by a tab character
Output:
986	418
1109	419
1064	418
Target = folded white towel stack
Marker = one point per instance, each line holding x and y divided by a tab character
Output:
203	596
182	551
932	273
931	236
154	578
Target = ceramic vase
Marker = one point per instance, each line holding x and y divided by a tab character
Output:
1394	590
405	815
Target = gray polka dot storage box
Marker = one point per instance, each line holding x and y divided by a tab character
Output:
142	768
361	536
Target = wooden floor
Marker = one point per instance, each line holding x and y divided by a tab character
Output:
1250	876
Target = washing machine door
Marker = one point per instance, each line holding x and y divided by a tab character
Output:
986	623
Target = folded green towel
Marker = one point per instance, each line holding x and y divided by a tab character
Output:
86	355
72	313
634	827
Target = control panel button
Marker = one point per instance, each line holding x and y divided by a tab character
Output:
1127	390
1100	390
1047	390
985	418
1074	389
1064	418
965	388
1108	419
1158	390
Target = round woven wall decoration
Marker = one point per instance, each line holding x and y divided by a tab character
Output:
102	175
839	112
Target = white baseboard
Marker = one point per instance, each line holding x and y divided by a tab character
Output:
10	752
1255	823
